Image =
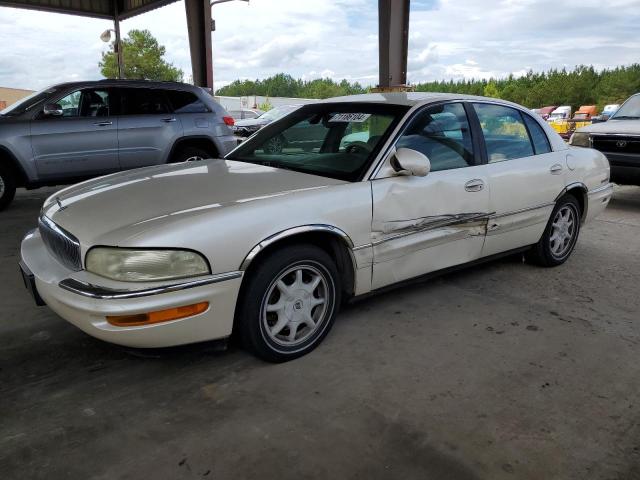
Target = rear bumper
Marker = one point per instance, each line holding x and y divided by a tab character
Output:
76	297
598	199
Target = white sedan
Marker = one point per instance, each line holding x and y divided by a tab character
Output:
267	245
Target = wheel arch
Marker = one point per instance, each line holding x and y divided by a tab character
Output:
8	158
580	191
332	240
198	141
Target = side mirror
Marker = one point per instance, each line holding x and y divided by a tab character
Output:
407	162
53	110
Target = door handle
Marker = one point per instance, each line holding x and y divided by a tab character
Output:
103	124
556	169
474	185
169	120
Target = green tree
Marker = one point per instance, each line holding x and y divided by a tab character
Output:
142	58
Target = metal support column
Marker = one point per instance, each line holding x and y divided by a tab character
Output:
118	44
393	37
199	28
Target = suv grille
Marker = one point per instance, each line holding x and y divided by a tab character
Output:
61	244
616	143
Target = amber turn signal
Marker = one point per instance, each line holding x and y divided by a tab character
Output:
158	316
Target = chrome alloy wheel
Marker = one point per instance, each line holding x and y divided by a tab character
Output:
563	231
297	304
195	158
2	186
274	145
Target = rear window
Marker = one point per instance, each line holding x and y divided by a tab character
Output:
186	102
143	101
538	137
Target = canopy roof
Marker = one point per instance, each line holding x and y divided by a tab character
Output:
91	8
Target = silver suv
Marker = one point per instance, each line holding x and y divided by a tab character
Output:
75	131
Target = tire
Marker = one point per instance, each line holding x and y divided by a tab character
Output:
190	154
7	186
278	328
560	235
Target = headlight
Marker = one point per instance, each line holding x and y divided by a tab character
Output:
133	265
580	139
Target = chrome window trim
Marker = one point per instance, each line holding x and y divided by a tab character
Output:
104	293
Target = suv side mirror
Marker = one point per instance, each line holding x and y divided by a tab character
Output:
407	162
52	110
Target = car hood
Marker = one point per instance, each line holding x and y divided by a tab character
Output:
251	122
128	203
614	126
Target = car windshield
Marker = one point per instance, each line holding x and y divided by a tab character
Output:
630	110
276	113
332	140
27	103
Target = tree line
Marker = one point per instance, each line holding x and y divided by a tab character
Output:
583	85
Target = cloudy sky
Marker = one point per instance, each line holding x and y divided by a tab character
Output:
338	39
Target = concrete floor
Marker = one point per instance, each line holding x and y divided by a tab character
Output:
498	372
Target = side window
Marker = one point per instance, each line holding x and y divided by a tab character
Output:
86	103
187	102
538	137
505	133
95	103
442	133
71	104
143	101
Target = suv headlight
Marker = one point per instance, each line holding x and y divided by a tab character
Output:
580	139
137	265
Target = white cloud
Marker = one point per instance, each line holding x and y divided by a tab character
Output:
337	38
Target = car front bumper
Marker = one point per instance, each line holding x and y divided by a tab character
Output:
85	300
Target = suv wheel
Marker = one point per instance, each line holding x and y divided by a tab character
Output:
289	303
190	154
560	235
7	186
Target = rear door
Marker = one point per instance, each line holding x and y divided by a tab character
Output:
525	176
147	128
423	224
81	142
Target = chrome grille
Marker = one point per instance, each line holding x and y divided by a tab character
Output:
61	244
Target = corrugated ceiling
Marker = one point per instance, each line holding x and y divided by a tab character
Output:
90	8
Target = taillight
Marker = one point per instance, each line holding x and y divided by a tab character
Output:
229	121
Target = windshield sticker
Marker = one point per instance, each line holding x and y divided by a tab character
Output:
350	117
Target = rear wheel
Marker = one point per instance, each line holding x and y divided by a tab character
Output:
7	186
560	236
289	303
190	154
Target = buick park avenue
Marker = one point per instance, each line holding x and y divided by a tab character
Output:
268	244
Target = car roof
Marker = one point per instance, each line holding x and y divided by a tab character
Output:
411	99
110	82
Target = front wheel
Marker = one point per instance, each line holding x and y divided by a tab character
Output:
289	303
560	235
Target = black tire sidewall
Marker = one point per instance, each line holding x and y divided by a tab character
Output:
9	187
251	327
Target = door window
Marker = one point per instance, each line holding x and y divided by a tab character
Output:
441	133
538	137
86	103
143	101
505	133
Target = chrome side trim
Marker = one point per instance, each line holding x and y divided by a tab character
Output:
523	210
102	293
253	253
600	189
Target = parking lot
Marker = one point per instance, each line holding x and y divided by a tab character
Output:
502	371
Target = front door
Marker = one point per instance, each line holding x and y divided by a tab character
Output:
81	142
525	175
147	128
423	224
